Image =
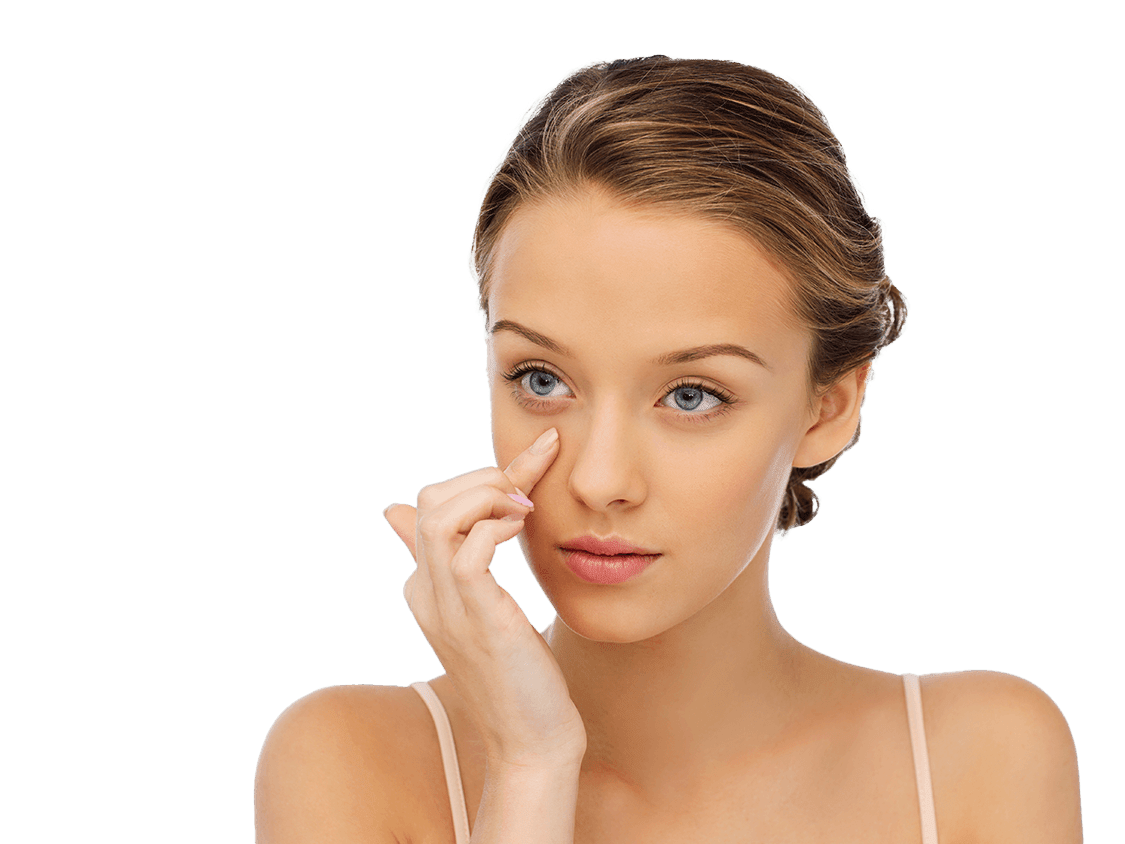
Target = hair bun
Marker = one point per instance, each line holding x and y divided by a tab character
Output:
800	503
894	306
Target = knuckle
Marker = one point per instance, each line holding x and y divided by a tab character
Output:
461	569
429	529
428	497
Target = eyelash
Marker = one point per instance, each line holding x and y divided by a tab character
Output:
727	401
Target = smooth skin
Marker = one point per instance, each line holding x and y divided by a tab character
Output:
702	717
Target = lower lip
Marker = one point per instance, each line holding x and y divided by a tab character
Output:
597	569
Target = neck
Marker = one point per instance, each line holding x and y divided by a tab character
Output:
673	713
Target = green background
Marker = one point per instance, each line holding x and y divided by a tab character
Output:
236	322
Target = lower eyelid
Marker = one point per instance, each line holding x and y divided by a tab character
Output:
515	378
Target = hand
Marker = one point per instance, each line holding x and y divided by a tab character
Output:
500	665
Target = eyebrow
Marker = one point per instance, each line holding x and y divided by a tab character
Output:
667	359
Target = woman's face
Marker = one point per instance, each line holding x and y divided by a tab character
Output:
689	459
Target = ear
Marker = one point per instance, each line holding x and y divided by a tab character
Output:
835	419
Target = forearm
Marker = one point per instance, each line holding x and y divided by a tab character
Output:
528	805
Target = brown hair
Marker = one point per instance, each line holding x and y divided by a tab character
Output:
729	142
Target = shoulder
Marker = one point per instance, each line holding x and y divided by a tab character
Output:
1007	717
1001	750
325	771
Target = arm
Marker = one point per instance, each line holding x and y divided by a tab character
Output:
1025	771
531	805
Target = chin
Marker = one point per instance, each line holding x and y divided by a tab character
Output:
617	614
628	623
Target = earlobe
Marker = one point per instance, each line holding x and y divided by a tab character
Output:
837	419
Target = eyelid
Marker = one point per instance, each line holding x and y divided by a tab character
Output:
727	400
523	367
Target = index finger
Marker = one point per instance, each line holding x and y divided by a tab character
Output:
522	473
531	463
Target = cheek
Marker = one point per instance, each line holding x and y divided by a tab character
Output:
760	487
512	430
733	493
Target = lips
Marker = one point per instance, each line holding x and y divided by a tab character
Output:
610	546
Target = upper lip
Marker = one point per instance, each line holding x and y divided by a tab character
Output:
607	547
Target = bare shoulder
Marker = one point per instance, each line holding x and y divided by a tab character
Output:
1002	757
327	769
1007	718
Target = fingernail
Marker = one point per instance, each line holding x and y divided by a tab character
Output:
526	502
547	439
388	507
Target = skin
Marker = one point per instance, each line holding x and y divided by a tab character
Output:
696	632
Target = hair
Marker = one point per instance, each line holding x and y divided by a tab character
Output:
728	142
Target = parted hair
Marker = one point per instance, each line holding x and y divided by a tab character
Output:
728	142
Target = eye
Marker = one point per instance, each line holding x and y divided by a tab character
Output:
534	385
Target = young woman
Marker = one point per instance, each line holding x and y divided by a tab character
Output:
683	295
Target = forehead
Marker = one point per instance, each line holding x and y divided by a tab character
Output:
590	267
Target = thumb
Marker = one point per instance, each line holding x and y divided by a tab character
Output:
402	519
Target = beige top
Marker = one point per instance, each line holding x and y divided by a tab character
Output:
913	714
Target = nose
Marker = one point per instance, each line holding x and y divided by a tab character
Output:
605	464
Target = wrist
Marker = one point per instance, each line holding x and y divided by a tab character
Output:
544	767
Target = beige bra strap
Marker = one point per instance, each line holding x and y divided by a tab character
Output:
921	758
448	761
